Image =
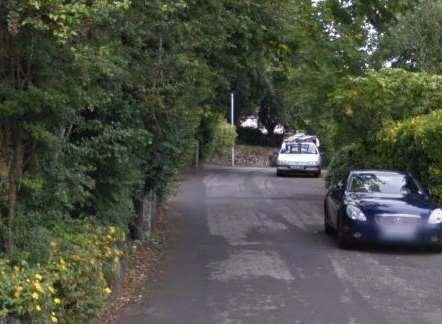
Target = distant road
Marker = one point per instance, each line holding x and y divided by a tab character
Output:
253	251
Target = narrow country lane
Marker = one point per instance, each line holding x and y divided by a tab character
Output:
253	251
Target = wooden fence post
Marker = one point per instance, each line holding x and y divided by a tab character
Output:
197	154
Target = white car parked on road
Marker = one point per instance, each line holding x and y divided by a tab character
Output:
295	157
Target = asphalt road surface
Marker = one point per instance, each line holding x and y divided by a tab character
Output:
253	250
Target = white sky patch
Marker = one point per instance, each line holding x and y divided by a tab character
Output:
328	27
316	3
372	43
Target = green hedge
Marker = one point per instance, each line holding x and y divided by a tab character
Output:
214	134
389	119
362	106
415	145
352	156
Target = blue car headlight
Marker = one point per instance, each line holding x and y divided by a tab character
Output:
355	213
435	217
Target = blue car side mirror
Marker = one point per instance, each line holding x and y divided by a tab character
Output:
425	192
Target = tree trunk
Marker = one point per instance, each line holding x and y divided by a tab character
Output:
145	212
15	172
138	228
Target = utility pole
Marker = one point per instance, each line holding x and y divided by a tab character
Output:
232	120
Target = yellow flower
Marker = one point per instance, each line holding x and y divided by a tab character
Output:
53	244
51	289
38	287
112	230
57	301
35	295
54	319
62	264
107	290
38	276
18	291
109	237
38	308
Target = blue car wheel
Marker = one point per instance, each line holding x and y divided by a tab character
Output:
343	241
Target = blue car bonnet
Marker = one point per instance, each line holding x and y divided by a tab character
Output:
376	204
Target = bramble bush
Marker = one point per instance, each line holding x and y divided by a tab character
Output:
71	285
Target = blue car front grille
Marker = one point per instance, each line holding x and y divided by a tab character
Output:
398	220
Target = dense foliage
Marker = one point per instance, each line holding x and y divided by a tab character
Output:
361	106
215	135
415	145
379	116
344	88
69	284
413	42
105	101
102	101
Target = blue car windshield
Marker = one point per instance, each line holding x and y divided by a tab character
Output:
388	183
300	148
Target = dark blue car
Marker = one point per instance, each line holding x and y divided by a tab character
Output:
384	207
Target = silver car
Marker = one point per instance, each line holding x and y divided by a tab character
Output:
297	157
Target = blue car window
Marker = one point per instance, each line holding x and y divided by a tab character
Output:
383	183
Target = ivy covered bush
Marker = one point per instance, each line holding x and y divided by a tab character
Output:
71	284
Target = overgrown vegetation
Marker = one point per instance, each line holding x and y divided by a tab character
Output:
103	102
69	282
215	134
389	119
415	145
363	111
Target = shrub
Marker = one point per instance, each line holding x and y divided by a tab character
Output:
414	145
214	135
362	106
71	285
353	156
226	136
388	119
